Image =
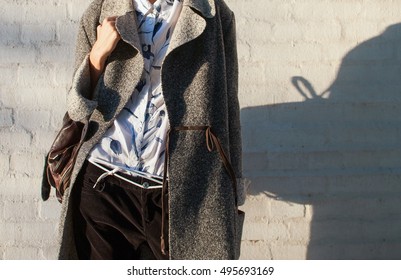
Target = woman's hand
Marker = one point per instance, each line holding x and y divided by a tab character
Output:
106	42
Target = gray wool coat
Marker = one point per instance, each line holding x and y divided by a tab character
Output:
199	78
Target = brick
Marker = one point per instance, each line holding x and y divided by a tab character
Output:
14	140
35	75
273	11
255	250
8	74
29	98
322	31
287	52
42	141
10	34
6	118
285	32
250	95
27	164
255	160
253	34
371	51
21	188
376	11
243	50
39	233
7	96
63	75
33	120
309	115
10	232
57	119
46	98
359	250
66	33
286	210
299	231
289	252
20	210
52	11
383	229
299	160
367	184
275	231
255	73
1	213
37	33
303	189
13	12
335	230
49	253
259	213
318	11
360	29
50	210
17	54
57	54
332	55
297	189
21	253
76	8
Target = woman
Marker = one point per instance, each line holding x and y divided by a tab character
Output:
159	175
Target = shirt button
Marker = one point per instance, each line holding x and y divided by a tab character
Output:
145	185
145	48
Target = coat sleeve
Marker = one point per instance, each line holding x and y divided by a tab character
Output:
231	58
79	104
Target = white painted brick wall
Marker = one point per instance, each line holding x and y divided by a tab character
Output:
325	163
36	54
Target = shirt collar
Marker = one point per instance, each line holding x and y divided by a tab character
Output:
205	7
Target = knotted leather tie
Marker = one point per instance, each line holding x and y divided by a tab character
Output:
211	142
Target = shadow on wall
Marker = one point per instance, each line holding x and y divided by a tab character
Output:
339	151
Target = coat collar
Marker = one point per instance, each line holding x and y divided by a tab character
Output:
205	7
118	8
189	26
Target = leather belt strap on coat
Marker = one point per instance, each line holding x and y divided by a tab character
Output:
211	142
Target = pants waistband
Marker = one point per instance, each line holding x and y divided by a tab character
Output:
136	181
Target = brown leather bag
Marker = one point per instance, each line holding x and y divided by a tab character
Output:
62	155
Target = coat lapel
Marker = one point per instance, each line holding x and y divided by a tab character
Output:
190	25
125	66
205	7
191	22
126	21
115	8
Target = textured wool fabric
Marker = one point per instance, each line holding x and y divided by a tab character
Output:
199	77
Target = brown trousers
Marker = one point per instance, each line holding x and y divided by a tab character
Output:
116	220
